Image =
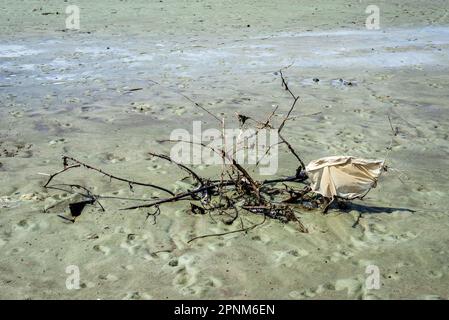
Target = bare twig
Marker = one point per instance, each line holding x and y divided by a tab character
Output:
229	232
79	164
196	104
66	168
190	171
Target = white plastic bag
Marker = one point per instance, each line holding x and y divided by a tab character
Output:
343	176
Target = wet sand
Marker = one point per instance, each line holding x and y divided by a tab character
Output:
73	92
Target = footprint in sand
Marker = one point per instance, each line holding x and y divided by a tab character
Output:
435	274
263	238
339	255
15	251
289	258
8	202
211	283
375	234
154	167
186	276
16	114
136	295
310	293
13	202
343	84
87	285
130	243
27	226
140	107
9	149
353	286
62	126
34	196
57	142
112	158
215	246
103	249
364	114
143	247
108	277
434	85
179	111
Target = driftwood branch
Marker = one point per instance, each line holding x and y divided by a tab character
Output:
190	171
229	232
236	191
112	177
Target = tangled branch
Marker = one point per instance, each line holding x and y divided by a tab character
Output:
236	191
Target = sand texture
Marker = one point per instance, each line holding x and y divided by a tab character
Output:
89	94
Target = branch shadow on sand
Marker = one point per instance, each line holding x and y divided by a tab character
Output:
361	208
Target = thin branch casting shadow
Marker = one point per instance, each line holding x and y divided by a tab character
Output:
366	209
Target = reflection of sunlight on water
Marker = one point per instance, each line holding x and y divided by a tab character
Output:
14	51
66	60
372	60
340	49
387	34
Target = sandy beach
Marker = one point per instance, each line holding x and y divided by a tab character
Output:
92	94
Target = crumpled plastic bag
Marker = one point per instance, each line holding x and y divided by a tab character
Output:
345	177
